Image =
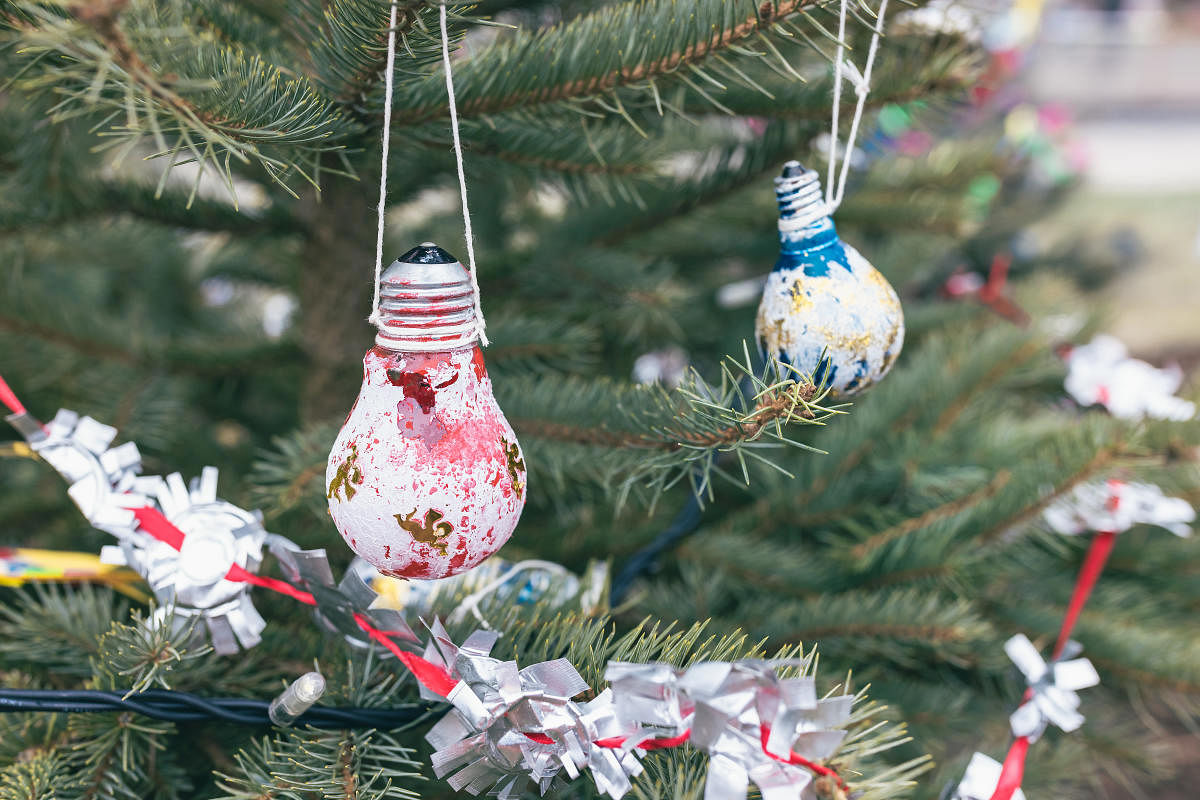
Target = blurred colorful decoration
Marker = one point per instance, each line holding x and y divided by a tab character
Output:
991	292
22	565
979	780
1117	506
1101	372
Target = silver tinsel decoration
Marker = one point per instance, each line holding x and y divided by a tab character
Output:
1117	506
191	580
483	746
727	705
78	448
1053	699
338	604
979	781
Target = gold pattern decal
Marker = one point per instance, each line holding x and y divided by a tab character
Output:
346	476
430	532
516	465
801	302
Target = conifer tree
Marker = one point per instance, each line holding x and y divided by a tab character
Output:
171	169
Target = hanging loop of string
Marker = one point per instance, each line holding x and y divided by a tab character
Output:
387	135
835	184
480	323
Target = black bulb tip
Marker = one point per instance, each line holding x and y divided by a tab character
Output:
792	169
427	253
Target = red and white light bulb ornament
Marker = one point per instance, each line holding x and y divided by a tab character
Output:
426	478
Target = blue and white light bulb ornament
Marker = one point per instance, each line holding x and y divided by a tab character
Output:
822	297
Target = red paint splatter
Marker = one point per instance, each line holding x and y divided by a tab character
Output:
416	387
444	384
477	364
387	551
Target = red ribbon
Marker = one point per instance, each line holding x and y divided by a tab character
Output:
1093	564
798	760
1013	771
9	398
430	675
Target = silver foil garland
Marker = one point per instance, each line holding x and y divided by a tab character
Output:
191	581
1053	699
79	449
979	780
1117	506
747	718
339	606
511	728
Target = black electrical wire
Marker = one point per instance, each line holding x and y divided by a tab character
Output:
645	561
174	706
685	522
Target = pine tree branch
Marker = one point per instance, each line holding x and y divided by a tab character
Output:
784	406
634	24
1031	348
137	68
346	43
926	633
1102	459
944	511
212	360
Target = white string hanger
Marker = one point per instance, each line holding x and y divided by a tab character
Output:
387	135
470	603
835	190
480	323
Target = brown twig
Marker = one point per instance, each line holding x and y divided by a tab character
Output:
1097	462
766	15
930	633
790	402
931	516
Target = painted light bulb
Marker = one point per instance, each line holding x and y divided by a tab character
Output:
823	297
426	478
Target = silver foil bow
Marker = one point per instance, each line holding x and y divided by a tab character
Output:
1117	506
191	580
338	605
484	744
78	448
979	781
1053	686
747	718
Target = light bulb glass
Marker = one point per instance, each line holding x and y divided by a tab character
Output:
825	310
426	478
296	699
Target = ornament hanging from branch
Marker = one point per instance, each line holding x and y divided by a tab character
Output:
426	478
825	310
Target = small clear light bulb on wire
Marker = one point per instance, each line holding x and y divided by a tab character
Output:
296	699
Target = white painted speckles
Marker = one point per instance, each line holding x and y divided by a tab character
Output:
853	315
426	478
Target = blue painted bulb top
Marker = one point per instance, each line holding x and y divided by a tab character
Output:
823	297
